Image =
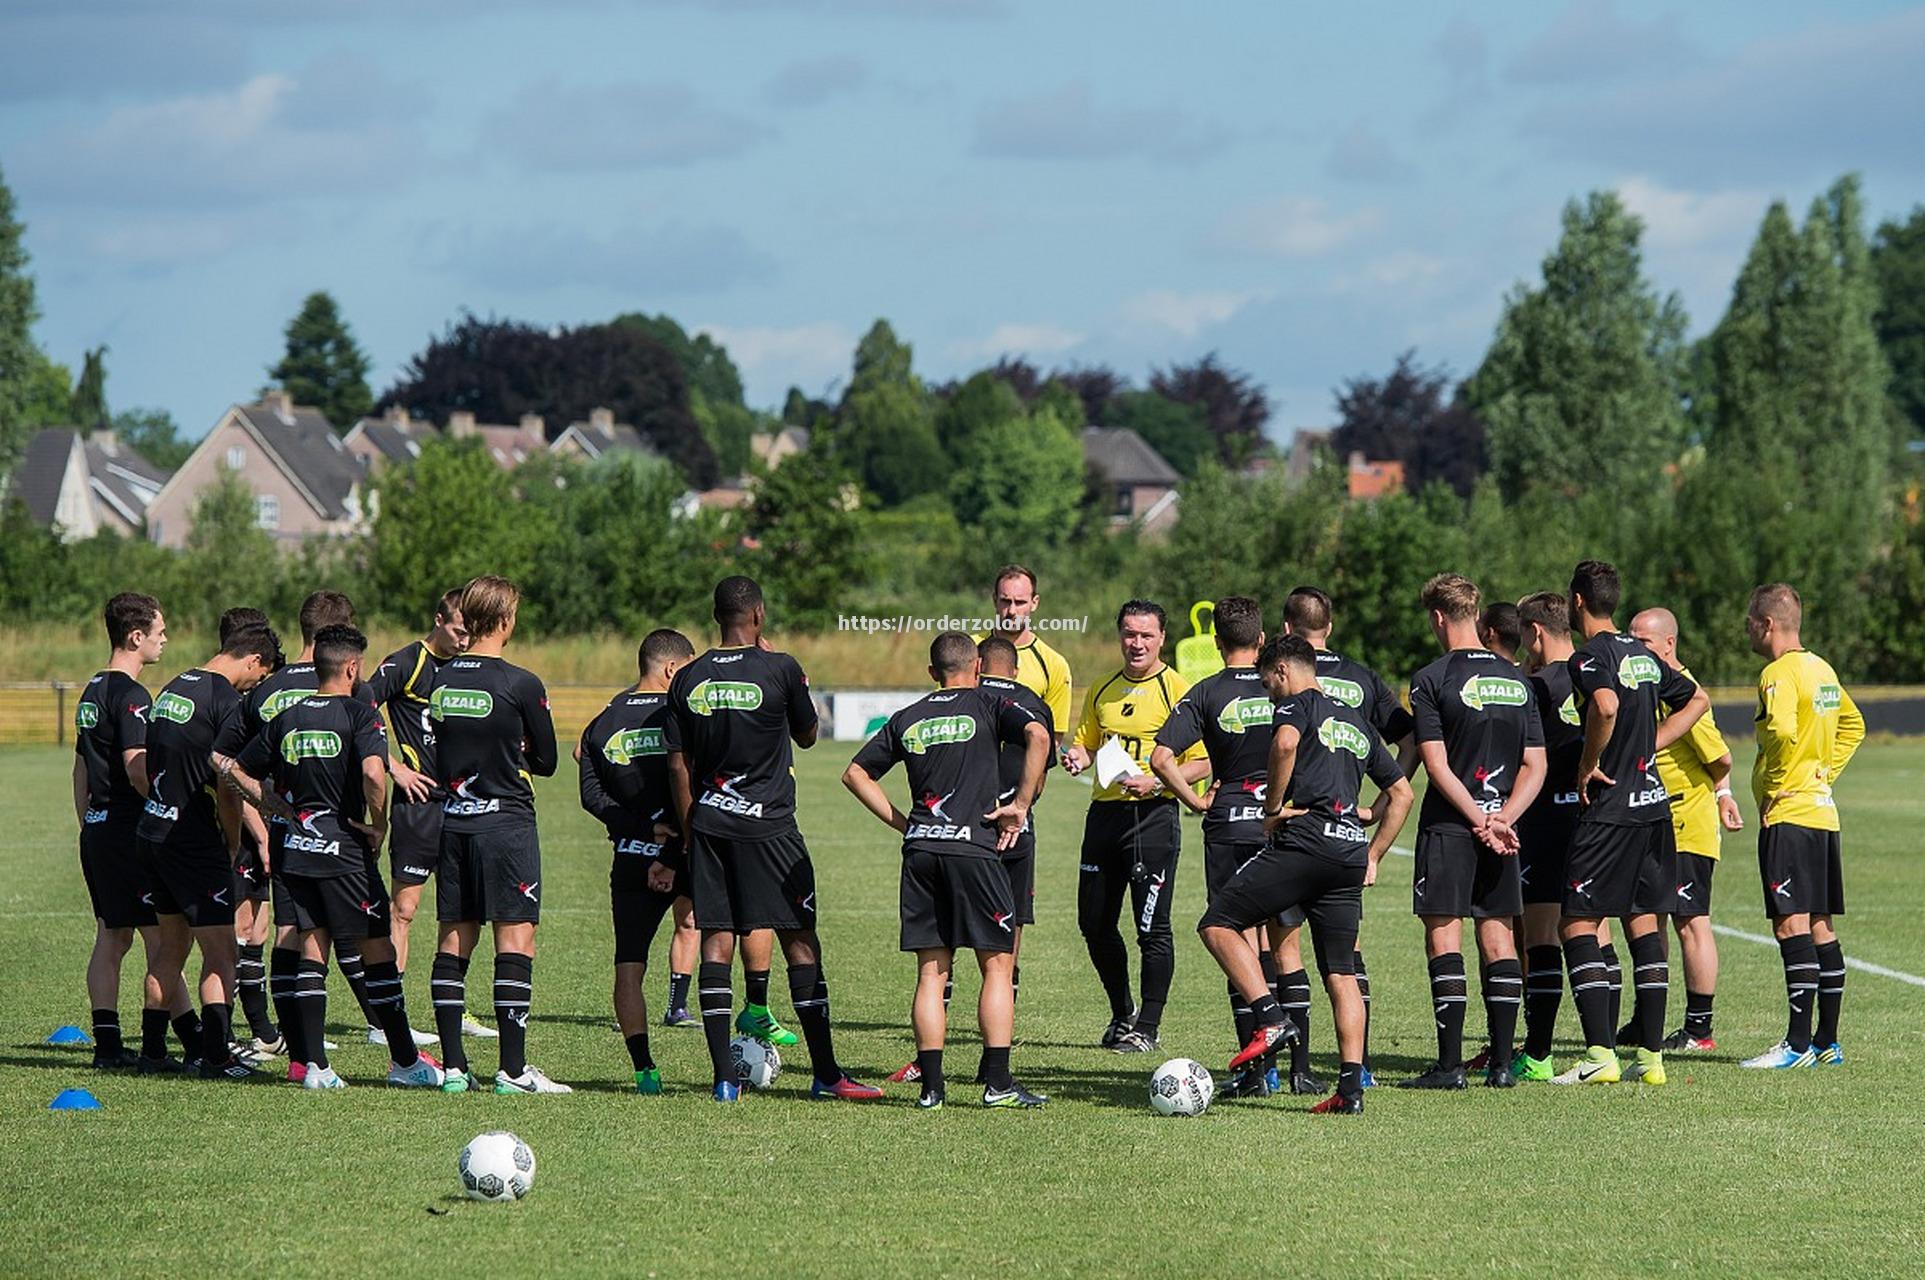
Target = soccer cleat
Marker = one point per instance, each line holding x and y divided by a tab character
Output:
1481	1062
268	1048
1682	1041
1135	1041
123	1060
756	1022
1832	1055
1599	1065
1340	1104
1438	1077
162	1066
727	1091
1367	1080
322	1078
1781	1057
1014	1096
296	1072
680	1018
423	1073
1272	1079
243	1052
475	1031
1628	1036
908	1074
1264	1039
1525	1067
648	1081
843	1090
531	1080
422	1039
457	1080
930	1101
1116	1030
1499	1076
1303	1084
1646	1068
1251	1082
232	1069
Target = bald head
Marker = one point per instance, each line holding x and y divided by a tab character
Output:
1658	628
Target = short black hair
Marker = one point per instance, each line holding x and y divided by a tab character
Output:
324	609
1238	621
241	615
951	651
1307	609
1501	622
1597	581
997	651
1292	650
257	641
127	613
447	606
662	645
334	647
1148	608
736	597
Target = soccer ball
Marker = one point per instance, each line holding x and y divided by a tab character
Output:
497	1166
1181	1087
756	1064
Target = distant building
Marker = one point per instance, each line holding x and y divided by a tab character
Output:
601	434
393	437
508	446
1140	484
81	484
305	481
1372	478
771	448
1305	448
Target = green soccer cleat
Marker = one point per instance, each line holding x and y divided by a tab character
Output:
1647	1069
1599	1065
455	1080
648	1081
756	1022
1525	1067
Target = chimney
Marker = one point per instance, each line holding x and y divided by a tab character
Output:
1357	460
461	424
397	415
278	403
108	440
603	418
536	429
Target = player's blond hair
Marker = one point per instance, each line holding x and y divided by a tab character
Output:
1453	595
487	603
1778	601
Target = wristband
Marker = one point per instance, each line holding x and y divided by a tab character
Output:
1722	793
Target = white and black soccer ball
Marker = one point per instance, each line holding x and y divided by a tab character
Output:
1181	1087
756	1064
497	1166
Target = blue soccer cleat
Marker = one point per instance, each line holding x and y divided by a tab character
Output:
1782	1057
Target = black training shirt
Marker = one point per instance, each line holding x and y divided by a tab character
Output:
1479	706
1336	750
312	752
734	713
949	743
197	713
492	730
1011	762
1613	660
624	776
109	720
1230	714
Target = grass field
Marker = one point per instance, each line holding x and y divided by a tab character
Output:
1724	1171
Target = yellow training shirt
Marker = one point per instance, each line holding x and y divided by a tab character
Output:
1682	769
1045	673
1132	711
1808	728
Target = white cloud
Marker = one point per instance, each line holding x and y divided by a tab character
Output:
1013	339
1293	227
773	358
1675	219
1187	314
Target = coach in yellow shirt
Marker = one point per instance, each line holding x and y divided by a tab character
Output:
1808	728
1696	770
1039	668
1130	835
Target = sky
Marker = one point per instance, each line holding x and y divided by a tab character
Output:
1306	190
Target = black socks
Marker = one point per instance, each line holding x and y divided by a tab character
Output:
153	1033
995	1068
1697	1015
1590	990
1614	977
638	1051
250	980
1651	978
1800	959
1363	989
809	993
1543	993
1831	991
929	1063
717	996
678	990
1293	996
755	986
347	957
384	995
1447	998
311	994
514	988
282	976
1503	986
107	1033
448	988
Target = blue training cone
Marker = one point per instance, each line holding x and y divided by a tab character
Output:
68	1035
74	1100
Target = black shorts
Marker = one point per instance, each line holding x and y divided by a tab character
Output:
1329	893
492	875
1544	840
1221	858
1694	885
250	872
111	868
638	915
187	881
1800	870
1459	875
349	907
744	885
414	842
1020	863
1129	847
1625	869
955	901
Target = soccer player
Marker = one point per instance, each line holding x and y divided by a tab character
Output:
110	785
1808	729
403	686
1307	613
735	715
1500	629
327	757
1482	744
492	730
953	891
1130	834
1544	832
1317	859
189	833
1696	770
1039	668
1229	713
1622	861
252	916
624	786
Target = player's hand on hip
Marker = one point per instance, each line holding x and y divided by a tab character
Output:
1008	820
1596	775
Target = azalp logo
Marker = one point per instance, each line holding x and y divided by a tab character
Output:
1636	669
722	794
1567	710
86	715
467	704
1348	692
310	744
937	731
465	803
1245	713
626	746
1341	735
711	696
1480	692
1827	697
276	703
171	706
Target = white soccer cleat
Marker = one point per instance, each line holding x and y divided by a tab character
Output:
1780	1057
422	1039
531	1080
474	1030
322	1078
423	1073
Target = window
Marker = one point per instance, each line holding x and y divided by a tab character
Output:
267	511
1125	501
236	458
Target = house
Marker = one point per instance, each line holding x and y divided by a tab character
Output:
1141	484
393	437
305	482
1371	478
81	484
770	449
601	434
1306	448
508	446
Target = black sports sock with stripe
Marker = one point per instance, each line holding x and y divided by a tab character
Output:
107	1033
1800	958
1448	995
1293	995
514	994
391	1007
809	993
715	992
1363	989
347	957
1590	990
311	988
1503	988
1831	991
1543	993
283	975
1614	976
1651	986
250	980
448	988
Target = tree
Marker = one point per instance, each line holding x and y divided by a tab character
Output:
1234	406
323	366
705	362
1096	386
1411	416
809	542
1898	259
153	434
89	402
1178	431
1016	486
229	557
885	429
1581	386
20	359
450	516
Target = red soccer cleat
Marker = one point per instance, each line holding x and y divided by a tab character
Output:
1263	1041
1481	1062
907	1075
1338	1104
844	1090
296	1072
